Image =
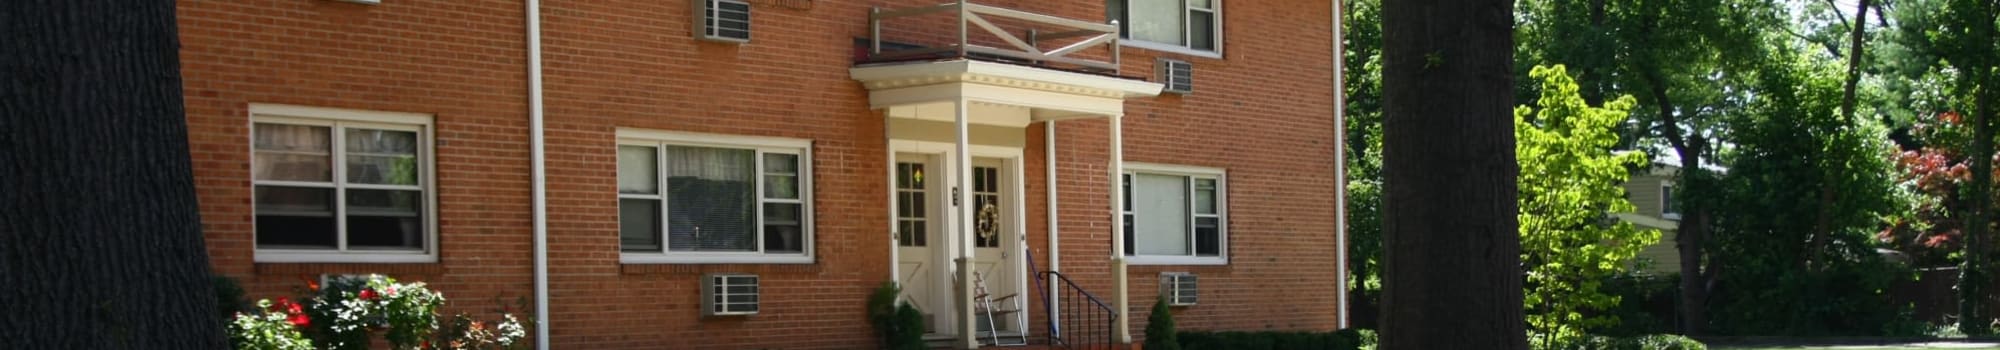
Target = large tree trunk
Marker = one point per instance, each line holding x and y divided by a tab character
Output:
1452	249
1823	223
1974	272
1691	233
100	242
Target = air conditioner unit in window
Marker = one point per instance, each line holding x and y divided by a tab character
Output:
1178	288
1177	75
729	295
722	20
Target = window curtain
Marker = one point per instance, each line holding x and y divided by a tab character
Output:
1161	204
293	153
710	199
1157	21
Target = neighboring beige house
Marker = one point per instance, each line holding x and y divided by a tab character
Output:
1651	192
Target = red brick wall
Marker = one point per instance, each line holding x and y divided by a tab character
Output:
1263	112
459	60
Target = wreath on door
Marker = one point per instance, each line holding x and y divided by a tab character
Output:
989	221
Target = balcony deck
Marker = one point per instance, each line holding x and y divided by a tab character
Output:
1003	36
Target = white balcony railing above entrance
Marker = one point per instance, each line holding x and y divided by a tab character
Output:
1042	40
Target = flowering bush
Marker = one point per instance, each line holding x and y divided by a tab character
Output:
345	313
465	333
354	306
274	327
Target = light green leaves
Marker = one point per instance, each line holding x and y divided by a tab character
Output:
1570	183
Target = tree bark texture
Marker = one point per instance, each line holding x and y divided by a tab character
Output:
100	241
1452	249
1691	233
1975	270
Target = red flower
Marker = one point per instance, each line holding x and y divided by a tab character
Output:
299	320
367	294
279	306
295	309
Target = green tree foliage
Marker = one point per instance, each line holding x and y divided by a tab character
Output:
1681	59
1791	147
1570	181
1960	39
1363	77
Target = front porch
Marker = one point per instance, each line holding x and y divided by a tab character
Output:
957	116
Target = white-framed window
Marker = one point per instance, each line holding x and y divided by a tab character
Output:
1667	205
338	185
687	198
1185	26
1175	215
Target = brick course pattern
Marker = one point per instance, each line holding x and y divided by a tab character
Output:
1263	112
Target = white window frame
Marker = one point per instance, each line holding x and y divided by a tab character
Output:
1667	210
337	120
1125	39
762	145
1221	178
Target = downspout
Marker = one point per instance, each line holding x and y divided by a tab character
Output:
1340	163
538	175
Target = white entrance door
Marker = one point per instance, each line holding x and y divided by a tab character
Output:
994	243
925	239
920	245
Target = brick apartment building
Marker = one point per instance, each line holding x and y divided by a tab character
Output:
815	148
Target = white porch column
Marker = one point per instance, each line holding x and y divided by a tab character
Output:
1054	228
1118	275
961	201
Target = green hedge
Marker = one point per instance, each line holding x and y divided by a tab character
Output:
1351	339
1644	342
1362	339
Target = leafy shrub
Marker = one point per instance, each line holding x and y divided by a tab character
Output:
1160	328
1759	295
1349	339
899	325
275	326
1644	342
228	297
1646	304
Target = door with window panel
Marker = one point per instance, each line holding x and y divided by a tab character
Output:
993	235
919	220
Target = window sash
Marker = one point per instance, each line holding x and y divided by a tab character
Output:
339	183
1190	181
1121	10
1667	200
760	197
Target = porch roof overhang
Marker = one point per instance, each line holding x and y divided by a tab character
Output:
928	90
1647	221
